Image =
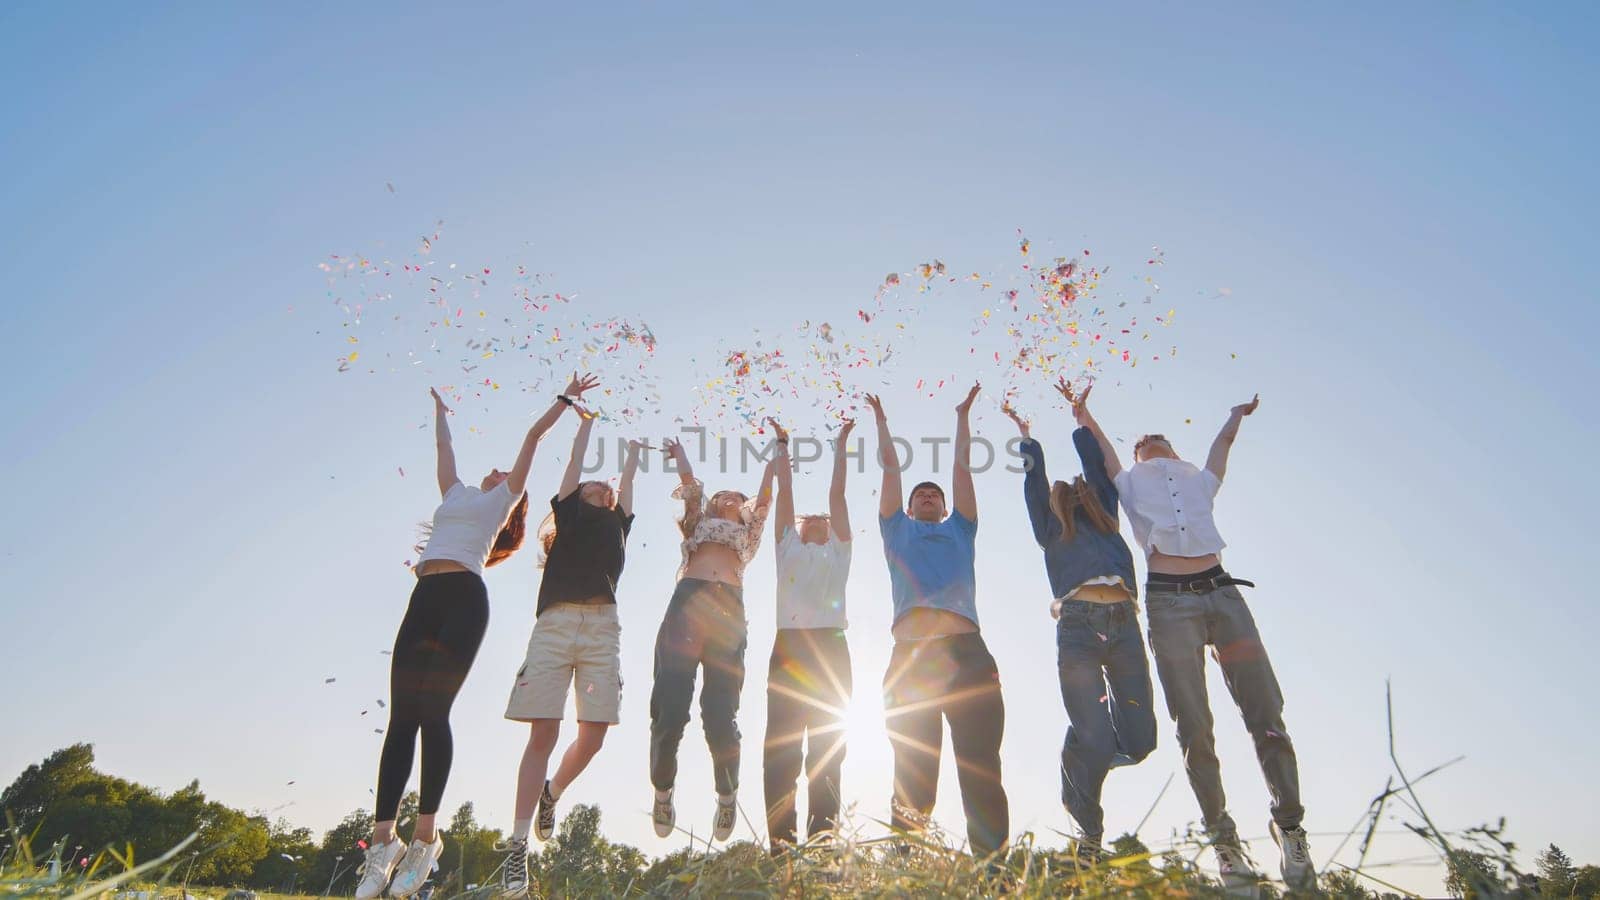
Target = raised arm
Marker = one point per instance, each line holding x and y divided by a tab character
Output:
764	493
966	498
573	476
517	481
890	498
1085	419
784	509
694	504
838	510
441	439
1093	460
1217	459
1035	484
625	483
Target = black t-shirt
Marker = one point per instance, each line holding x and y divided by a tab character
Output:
586	557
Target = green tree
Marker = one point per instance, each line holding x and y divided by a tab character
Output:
1471	875
582	863
39	785
469	856
340	855
291	852
1586	882
1556	872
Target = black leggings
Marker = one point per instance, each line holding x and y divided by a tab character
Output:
438	640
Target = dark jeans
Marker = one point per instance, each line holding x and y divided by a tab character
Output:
1181	625
808	690
436	644
953	677
704	626
1105	685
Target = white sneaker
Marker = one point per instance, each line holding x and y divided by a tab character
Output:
514	873
727	816
544	825
1294	857
663	815
379	865
416	867
1238	876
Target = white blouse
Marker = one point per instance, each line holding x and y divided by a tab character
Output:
743	536
466	524
1168	502
811	579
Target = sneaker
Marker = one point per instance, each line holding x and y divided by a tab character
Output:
727	816
514	873
663	815
416	868
1294	857
379	865
545	824
1234	867
1087	850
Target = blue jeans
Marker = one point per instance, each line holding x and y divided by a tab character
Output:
704	628
1105	686
1181	625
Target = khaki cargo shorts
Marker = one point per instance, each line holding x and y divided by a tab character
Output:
572	643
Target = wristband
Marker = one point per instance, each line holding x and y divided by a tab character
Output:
564	399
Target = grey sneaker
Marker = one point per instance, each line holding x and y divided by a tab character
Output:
514	873
1088	850
727	816
1294	857
379	865
1238	876
545	824
416	867
663	815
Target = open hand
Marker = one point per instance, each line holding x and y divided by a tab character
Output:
781	432
876	404
577	386
1012	414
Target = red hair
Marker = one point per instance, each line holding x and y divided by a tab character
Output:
511	534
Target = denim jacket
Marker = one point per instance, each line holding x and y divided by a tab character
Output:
1092	552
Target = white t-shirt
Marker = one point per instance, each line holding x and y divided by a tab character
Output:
811	580
1168	502
466	524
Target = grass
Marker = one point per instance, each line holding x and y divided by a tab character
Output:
860	863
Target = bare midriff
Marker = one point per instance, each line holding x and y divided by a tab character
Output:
439	567
922	622
715	562
1181	565
1101	593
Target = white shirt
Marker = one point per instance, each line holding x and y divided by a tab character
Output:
811	581
466	524
1168	502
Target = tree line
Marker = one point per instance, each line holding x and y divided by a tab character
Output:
64	802
65	807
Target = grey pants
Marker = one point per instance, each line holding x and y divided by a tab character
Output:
1181	625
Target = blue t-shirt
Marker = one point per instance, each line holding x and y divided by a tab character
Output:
931	563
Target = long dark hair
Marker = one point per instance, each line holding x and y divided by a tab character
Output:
1065	498
511	534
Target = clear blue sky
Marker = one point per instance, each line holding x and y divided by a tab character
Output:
207	520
